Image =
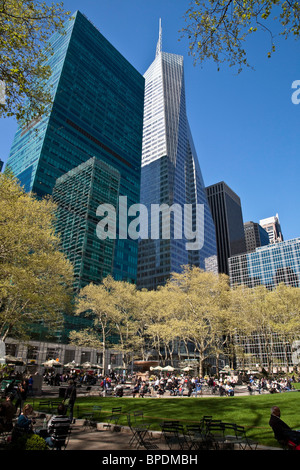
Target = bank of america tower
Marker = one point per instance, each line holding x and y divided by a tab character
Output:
171	178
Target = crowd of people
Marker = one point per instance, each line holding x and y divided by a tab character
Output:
259	385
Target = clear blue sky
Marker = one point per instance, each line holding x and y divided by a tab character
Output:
245	127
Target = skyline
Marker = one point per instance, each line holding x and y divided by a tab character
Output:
244	126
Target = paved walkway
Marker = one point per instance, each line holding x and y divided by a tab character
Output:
84	439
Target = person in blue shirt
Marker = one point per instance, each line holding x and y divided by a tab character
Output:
24	422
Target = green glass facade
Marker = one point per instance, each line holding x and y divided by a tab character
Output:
77	194
97	112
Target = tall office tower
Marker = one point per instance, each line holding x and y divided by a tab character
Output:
171	179
268	265
78	194
273	228
255	236
97	111
225	206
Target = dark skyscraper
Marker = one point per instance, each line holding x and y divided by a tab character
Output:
171	177
226	211
97	111
255	236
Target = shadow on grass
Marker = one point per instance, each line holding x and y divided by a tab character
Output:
252	412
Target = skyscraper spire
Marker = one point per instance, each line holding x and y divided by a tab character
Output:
159	42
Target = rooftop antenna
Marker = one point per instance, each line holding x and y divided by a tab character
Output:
159	43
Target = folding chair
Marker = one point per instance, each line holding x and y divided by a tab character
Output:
243	440
216	434
196	437
174	436
60	432
114	417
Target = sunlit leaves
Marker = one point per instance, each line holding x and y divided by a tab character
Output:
218	30
25	29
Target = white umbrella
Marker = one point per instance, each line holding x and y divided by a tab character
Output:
13	360
168	369
52	363
157	368
187	369
71	365
88	365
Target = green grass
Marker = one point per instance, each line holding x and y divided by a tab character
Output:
253	412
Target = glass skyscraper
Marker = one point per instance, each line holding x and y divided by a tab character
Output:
171	176
97	112
268	265
78	194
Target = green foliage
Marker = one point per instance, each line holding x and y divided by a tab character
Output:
35	442
25	28
35	276
218	30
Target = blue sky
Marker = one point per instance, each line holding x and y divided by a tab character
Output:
245	127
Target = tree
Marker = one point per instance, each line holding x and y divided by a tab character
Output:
94	301
218	30
25	28
204	299
35	277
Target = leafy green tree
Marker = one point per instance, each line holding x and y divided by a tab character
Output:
35	277
25	28
218	30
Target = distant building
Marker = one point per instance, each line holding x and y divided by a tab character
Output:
1	165
255	236
226	210
77	194
273	228
268	265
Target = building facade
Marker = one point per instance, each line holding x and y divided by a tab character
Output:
78	194
171	178
225	206
255	236
97	111
273	228
268	265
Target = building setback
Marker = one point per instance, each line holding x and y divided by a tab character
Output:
97	112
225	206
171	175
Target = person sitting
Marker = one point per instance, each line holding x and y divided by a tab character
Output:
282	432
24	424
58	427
7	414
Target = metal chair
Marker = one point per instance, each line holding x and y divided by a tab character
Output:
60	431
174	436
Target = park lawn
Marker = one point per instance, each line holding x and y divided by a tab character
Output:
252	412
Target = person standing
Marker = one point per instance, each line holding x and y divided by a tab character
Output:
70	398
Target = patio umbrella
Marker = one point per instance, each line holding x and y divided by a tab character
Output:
187	369
52	363
168	369
157	368
14	360
71	365
88	365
